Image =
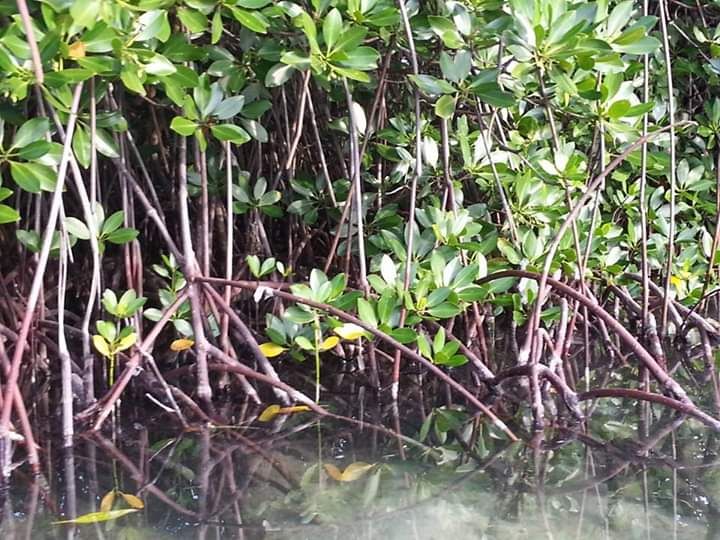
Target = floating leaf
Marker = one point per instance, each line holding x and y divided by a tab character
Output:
273	410
352	472
133	501
294	409
107	501
97	517
271	350
333	471
182	344
356	470
269	413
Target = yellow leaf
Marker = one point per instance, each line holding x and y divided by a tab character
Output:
181	344
294	409
268	414
329	343
352	472
333	471
349	331
126	342
271	350
107	501
97	517
102	346
675	280
355	471
133	501
77	50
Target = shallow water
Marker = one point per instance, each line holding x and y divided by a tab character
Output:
621	478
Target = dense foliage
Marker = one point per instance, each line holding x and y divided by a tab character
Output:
381	179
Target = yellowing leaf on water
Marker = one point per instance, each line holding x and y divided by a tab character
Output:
273	410
269	413
97	517
77	50
107	501
102	346
352	472
329	343
333	471
271	350
294	409
133	501
349	331
355	470
182	344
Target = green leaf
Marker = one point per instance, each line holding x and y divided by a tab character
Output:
122	236
183	126
351	39
253	4
297	59
106	144
644	45
432	86
81	146
618	109
353	74
131	80
304	21
456	360
439	340
112	223
278	75
160	66
447	31
445	107
472	294
361	58
216	27
491	94
153	24
256	130
126	342
107	330
252	20
26	175
230	132
404	335
424	346
84	13
77	228
35	150
253	263
445	310
8	214
298	315
366	312
192	19
31	131
229	107
332	28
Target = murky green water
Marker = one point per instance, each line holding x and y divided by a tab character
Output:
620	478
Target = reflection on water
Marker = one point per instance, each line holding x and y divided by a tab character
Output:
300	477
